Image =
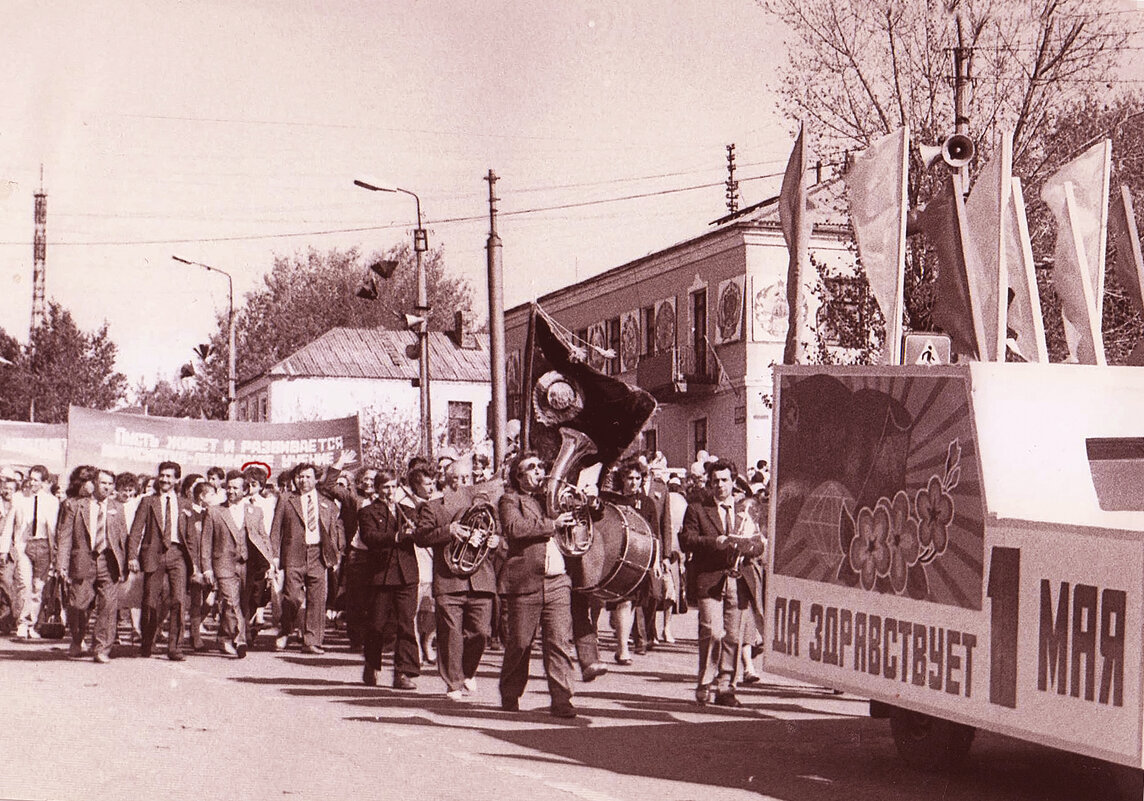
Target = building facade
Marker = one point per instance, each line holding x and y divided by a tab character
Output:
349	371
698	325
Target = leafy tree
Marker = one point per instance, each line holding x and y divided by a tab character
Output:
859	70
305	295
60	366
391	437
176	399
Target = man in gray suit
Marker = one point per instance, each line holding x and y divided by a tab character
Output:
92	561
231	532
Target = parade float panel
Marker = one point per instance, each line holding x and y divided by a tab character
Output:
965	542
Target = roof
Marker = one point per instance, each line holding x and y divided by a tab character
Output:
380	353
826	201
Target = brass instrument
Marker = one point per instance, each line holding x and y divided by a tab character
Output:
465	555
561	496
749	512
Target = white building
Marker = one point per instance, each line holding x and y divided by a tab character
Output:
348	371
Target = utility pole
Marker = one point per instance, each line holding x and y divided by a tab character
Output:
39	254
731	184
496	329
962	67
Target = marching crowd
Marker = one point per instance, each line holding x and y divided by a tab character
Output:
285	555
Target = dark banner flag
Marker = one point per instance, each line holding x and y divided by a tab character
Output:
25	444
138	443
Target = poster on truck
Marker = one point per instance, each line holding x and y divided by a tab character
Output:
890	579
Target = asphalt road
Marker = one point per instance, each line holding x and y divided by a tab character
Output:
302	727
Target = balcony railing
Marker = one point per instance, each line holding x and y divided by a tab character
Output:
676	372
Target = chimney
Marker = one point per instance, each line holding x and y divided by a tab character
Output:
458	332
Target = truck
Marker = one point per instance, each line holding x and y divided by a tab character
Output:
964	546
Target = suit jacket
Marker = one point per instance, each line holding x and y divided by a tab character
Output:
195	539
226	547
147	538
288	531
708	561
391	559
349	503
75	556
433	519
527	530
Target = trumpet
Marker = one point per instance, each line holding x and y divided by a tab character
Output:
465	554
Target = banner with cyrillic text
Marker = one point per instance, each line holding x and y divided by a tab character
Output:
137	443
25	444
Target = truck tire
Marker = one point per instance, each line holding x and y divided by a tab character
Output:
928	743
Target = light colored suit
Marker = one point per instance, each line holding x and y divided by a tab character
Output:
94	576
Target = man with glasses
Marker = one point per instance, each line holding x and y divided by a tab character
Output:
536	589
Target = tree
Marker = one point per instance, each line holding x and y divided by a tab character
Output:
176	399
859	70
390	438
305	295
60	366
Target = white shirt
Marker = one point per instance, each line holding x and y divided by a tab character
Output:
93	520
553	559
238	515
727	513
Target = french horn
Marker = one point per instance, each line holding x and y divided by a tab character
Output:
465	554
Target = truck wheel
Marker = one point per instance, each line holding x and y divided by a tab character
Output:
929	743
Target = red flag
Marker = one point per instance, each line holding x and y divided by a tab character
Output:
796	224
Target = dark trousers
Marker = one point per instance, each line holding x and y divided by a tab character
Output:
232	617
101	594
548	611
585	617
169	579
306	584
464	625
196	599
393	609
358	594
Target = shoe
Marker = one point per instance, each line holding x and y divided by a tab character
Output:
75	650
563	711
510	704
403	682
21	632
669	638
623	660
727	699
102	658
752	678
241	650
703	694
145	652
594	671
280	643
455	695
227	647
640	650
199	647
34	635
176	656
470	685
313	650
368	676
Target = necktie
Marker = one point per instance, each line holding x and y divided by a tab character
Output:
728	519
311	515
167	518
35	515
100	528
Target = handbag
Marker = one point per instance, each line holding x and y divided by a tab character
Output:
50	624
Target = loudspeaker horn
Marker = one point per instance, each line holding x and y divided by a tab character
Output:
956	151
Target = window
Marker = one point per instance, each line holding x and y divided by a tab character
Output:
647	344
650	441
699	330
842	319
699	434
459	433
262	402
612	331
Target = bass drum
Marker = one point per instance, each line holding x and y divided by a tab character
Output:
623	553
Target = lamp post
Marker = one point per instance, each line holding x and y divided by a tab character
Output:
230	371
421	306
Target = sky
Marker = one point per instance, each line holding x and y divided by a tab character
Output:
230	133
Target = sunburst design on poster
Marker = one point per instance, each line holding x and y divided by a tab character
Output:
879	487
665	325
629	341
729	311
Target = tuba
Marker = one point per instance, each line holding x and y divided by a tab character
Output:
562	496
465	555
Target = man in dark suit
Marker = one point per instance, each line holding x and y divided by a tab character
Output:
306	533
536	589
92	561
392	562
159	536
464	604
723	592
232	531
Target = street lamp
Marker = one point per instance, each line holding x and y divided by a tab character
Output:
420	245
230	372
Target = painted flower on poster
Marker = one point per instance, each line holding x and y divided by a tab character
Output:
887	547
